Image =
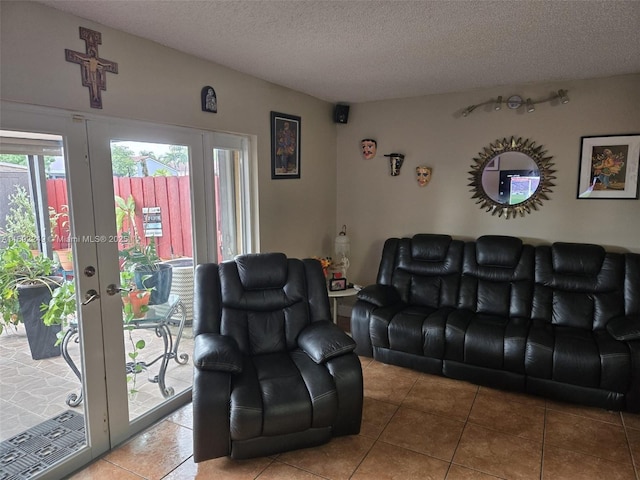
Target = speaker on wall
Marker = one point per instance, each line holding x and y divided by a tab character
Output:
341	113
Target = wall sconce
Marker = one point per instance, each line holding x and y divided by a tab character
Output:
516	101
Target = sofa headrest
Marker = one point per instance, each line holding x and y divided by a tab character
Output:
577	258
498	251
430	247
262	270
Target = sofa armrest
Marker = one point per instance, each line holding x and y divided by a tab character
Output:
379	295
624	329
217	353
324	340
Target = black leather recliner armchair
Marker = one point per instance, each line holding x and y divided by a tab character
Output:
272	372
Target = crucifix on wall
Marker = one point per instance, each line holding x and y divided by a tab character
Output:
92	67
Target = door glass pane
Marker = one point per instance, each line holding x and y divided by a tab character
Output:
154	235
231	202
41	422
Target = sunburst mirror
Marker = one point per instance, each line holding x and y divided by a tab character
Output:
511	177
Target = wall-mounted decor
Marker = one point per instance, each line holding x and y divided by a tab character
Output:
369	148
519	184
423	175
285	145
395	163
609	167
209	99
92	67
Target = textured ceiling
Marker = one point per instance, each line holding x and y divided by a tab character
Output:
363	50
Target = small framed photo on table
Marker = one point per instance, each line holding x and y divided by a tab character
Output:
337	284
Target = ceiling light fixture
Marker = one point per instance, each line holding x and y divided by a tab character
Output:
516	101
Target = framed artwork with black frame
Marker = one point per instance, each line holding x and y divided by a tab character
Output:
609	167
285	146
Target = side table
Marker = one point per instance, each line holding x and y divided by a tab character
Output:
335	295
158	319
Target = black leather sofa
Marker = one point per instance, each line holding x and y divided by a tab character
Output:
272	371
560	320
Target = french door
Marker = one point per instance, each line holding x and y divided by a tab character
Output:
131	368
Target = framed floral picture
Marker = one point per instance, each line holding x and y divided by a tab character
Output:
609	167
285	146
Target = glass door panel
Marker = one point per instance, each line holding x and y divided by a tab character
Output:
43	433
155	248
228	177
146	249
116	194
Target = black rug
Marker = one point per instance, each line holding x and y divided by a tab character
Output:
25	455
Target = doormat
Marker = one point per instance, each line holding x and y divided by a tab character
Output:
27	454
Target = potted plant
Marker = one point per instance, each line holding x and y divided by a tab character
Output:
150	273
26	282
62	307
135	305
64	255
20	222
134	299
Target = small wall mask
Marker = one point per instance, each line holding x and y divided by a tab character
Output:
369	147
423	175
395	163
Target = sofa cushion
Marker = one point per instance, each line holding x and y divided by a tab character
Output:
578	286
498	251
578	357
498	284
281	393
486	340
430	247
427	270
577	258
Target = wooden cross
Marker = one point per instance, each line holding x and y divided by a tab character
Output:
92	67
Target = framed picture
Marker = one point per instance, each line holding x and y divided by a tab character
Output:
609	167
336	284
285	146
494	164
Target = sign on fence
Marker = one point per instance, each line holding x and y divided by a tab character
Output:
151	221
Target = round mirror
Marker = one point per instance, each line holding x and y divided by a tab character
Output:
511	177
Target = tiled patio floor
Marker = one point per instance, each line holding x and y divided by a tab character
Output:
32	391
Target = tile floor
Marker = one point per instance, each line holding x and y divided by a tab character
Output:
415	426
32	391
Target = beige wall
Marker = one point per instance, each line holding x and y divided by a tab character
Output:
161	85
301	217
430	131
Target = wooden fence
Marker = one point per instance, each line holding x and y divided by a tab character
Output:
171	194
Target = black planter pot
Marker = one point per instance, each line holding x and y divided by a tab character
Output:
159	280
42	338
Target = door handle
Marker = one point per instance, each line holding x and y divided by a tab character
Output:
90	296
113	289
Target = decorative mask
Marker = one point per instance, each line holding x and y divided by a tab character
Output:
423	175
395	162
369	148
